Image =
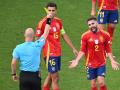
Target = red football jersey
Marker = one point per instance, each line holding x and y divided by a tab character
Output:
52	46
107	4
95	47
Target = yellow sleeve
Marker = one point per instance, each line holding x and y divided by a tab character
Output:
62	31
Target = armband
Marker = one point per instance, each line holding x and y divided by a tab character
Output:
62	31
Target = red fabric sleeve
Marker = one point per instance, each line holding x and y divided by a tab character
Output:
108	44
83	44
61	25
39	29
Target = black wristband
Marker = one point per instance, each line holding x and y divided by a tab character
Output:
48	21
14	74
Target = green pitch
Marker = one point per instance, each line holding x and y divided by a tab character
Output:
17	15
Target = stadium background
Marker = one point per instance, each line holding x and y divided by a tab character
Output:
17	15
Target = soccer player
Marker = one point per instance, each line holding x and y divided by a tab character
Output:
107	14
52	47
28	54
95	43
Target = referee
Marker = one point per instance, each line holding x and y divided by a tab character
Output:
28	54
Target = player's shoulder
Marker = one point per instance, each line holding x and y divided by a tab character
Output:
42	20
58	19
40	23
105	32
86	33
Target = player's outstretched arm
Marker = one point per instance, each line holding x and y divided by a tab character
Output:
75	62
47	27
115	65
68	41
119	3
93	10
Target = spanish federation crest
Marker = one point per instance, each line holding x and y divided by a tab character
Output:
96	42
54	29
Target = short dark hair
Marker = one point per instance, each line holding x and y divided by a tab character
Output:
92	18
51	4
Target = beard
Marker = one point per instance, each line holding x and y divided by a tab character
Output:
94	29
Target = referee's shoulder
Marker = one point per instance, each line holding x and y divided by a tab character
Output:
20	45
17	47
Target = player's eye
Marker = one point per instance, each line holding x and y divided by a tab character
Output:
91	24
51	10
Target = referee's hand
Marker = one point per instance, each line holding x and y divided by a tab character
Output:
15	78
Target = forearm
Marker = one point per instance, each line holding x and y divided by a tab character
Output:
119	3
46	32
110	55
94	5
79	56
47	28
13	68
68	41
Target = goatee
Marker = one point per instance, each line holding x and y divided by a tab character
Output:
94	29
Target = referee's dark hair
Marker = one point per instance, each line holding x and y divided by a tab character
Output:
92	18
51	4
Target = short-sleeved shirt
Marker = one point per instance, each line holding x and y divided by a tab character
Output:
95	46
52	46
108	4
28	53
